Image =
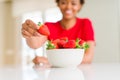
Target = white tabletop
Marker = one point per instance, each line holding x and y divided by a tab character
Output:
83	72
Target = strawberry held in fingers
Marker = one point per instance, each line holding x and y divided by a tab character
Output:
43	29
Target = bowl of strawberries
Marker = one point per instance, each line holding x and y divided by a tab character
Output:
66	53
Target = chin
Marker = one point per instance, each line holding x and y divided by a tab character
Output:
68	17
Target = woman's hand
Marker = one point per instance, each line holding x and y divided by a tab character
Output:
30	33
29	29
38	60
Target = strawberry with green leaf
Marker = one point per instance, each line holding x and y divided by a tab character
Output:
52	45
64	38
62	41
43	29
77	43
83	44
70	44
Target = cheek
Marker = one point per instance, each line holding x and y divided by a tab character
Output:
61	7
77	8
61	10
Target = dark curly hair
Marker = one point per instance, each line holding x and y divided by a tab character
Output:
81	1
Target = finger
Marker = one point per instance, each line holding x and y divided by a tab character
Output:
37	34
35	26
28	21
44	60
31	24
29	29
24	26
26	34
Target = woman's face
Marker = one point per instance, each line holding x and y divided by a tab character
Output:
69	8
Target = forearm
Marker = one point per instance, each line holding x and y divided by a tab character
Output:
36	42
89	53
87	59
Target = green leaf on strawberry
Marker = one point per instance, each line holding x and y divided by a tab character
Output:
86	46
77	43
50	45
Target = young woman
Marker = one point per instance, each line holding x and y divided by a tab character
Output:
69	26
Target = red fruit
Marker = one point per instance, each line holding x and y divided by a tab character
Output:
55	45
52	45
61	43
81	42
43	30
55	42
64	38
70	44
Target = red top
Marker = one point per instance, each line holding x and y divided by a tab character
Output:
82	29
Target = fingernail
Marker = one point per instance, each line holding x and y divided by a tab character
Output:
23	31
28	21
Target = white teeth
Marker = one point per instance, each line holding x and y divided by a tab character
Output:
68	11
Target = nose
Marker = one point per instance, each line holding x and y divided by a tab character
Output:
68	6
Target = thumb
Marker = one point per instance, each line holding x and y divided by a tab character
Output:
35	26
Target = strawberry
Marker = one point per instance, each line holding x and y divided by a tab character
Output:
43	29
70	44
52	45
61	43
55	42
55	45
77	43
81	42
64	38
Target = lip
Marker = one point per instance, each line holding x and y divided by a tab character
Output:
68	12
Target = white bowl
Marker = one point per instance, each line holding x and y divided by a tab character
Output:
65	57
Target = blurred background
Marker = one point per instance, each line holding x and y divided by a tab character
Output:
104	14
